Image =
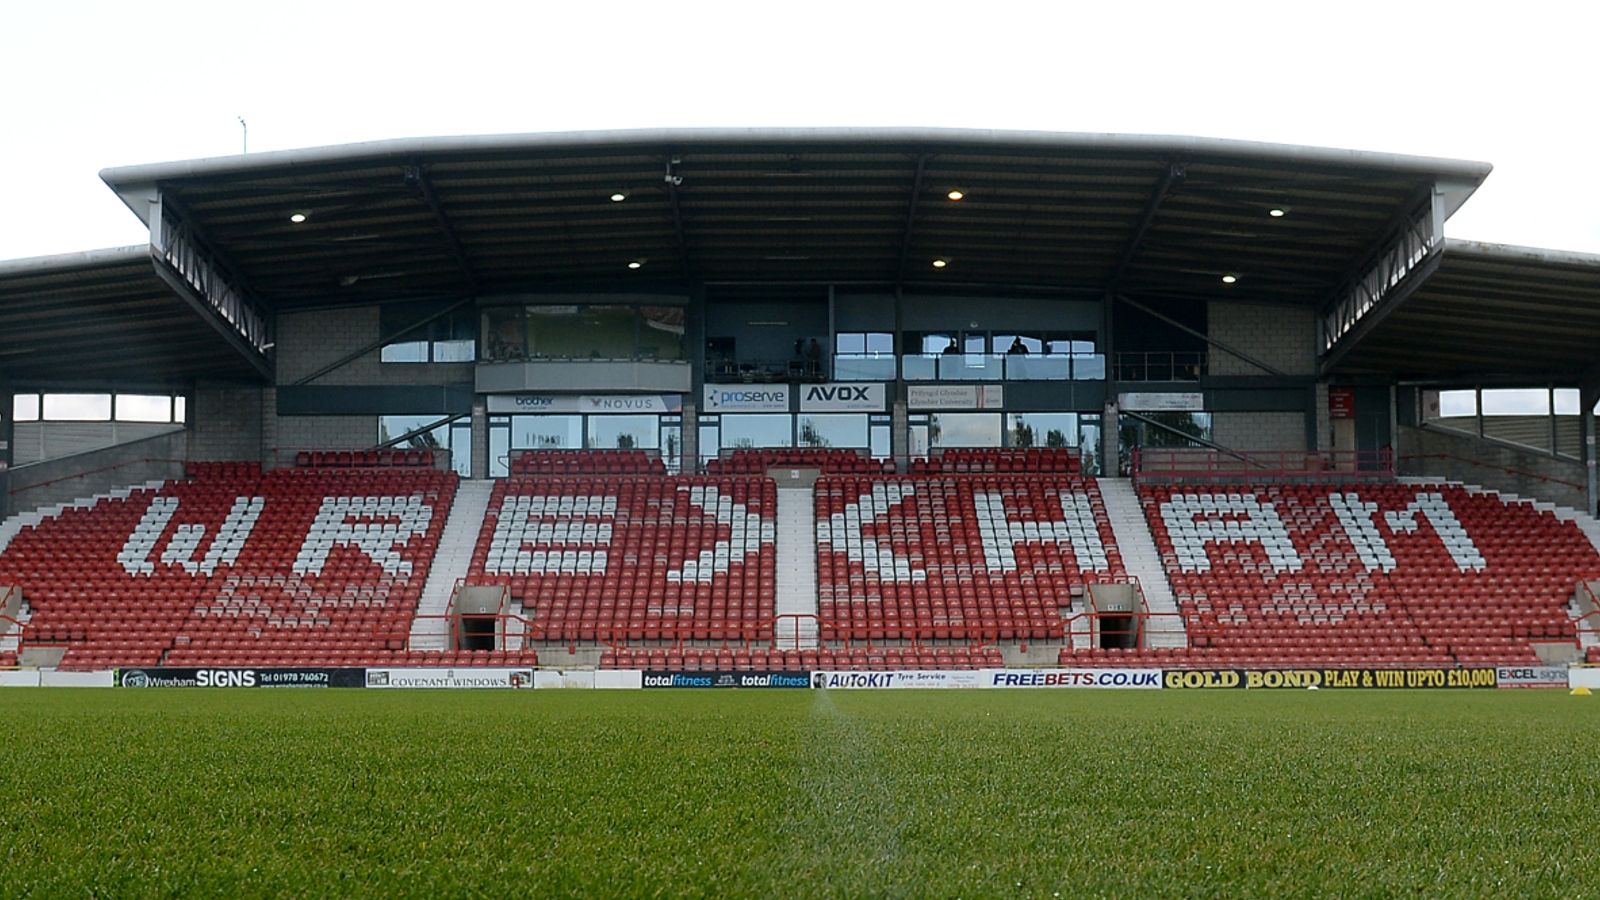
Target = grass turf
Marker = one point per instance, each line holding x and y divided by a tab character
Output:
980	793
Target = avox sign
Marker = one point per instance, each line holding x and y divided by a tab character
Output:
842	398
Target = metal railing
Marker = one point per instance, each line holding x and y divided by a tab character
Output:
1182	466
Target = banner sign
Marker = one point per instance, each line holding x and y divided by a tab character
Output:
1331	678
955	396
584	403
1531	676
907	679
720	398
1341	403
726	679
1163	401
449	678
1140	679
842	398
240	678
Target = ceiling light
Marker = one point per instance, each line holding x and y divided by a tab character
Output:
634	264
297	218
940	263
955	195
618	197
1277	212
1229	278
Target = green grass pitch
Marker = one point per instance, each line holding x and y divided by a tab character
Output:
802	793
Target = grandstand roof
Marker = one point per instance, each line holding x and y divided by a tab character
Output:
1054	212
1491	311
103	316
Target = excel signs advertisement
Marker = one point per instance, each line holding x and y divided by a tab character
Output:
721	398
955	396
239	678
842	398
514	404
1331	678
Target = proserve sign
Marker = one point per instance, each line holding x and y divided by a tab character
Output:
842	398
746	398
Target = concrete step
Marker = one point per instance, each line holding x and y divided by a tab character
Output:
451	561
796	529
1143	561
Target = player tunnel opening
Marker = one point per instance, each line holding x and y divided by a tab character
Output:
1115	616
478	620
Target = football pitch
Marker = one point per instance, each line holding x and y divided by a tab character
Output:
798	793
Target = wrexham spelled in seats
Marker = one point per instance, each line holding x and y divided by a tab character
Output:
302	566
594	558
992	557
1339	574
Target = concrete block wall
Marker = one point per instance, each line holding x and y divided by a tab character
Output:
68	478
225	422
323	432
1248	431
1280	336
307	341
1462	457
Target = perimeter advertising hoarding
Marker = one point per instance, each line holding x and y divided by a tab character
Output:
303	677
726	679
1531	676
450	678
907	679
1376	679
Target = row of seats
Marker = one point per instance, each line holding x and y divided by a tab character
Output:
756	461
354	658
1370	573
1009	554
979	460
585	462
877	659
283	563
634	558
362	459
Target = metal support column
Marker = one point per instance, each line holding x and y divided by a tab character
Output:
1110	420
899	413
1588	396
480	437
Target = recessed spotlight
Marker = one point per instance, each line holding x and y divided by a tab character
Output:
1277	212
1229	278
940	263
618	197
956	195
297	218
634	264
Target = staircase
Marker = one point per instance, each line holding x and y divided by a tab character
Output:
797	568
11	635
1143	561
430	630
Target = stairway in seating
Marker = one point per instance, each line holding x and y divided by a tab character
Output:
1142	560
797	568
451	561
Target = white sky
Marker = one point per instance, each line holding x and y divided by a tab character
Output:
88	85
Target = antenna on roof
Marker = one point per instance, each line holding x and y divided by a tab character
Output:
244	143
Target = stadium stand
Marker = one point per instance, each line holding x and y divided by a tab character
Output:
292	567
978	460
1369	574
652	558
980	558
362	459
585	462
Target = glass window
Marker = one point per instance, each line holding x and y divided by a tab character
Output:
547	432
144	408
499	446
710	440
624	432
405	352
1566	401
1042	429
455	437
833	430
775	430
180	409
1517	402
504	337
882	447
1457	403
964	429
25	408
77	407
1089	443
661	330
672	442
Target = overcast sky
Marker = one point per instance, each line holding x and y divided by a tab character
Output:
88	85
